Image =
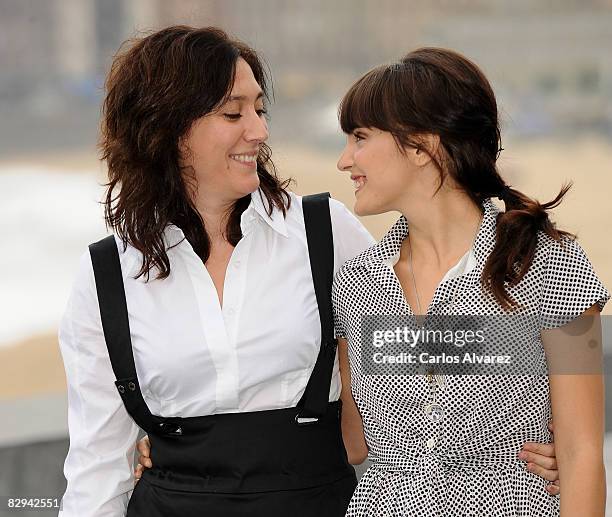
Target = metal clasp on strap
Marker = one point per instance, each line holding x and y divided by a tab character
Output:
126	384
170	429
305	420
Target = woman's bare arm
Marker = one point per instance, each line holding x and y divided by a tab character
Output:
574	355
352	425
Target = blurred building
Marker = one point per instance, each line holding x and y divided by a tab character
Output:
549	61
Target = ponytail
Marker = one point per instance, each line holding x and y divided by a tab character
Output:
517	239
438	91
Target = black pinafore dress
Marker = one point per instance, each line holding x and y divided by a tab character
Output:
288	462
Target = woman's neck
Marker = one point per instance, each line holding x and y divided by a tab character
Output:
215	214
443	228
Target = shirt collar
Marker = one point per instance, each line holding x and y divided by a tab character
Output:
389	246
256	211
486	236
173	236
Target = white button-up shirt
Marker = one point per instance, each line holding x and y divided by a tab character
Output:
194	357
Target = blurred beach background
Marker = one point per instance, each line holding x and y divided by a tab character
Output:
549	62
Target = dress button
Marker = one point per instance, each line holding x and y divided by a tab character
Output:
431	443
434	412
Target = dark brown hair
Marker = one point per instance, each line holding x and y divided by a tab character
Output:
440	92
158	86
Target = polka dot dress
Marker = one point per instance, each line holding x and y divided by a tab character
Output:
464	464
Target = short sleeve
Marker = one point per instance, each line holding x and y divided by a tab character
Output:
339	330
571	285
350	236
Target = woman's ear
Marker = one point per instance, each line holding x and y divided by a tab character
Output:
427	148
184	151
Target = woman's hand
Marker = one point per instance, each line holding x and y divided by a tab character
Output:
144	461
541	460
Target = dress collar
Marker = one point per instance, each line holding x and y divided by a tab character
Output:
376	258
389	245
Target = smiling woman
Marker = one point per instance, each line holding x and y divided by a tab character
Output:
199	320
423	139
178	105
222	149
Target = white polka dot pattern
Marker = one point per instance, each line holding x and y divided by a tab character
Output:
465	464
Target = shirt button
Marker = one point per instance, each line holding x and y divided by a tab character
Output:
231	312
431	443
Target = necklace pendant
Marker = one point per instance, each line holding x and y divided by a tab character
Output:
434	412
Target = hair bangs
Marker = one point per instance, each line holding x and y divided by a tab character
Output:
365	105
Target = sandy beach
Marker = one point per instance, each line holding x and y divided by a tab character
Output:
31	365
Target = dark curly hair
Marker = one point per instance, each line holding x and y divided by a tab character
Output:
158	86
439	91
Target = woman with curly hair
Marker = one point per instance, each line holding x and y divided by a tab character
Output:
205	319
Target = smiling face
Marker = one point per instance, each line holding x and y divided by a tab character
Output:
221	148
384	177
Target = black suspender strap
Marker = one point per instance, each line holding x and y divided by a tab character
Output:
116	327
315	400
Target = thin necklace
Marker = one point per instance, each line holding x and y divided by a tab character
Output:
433	410
416	292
